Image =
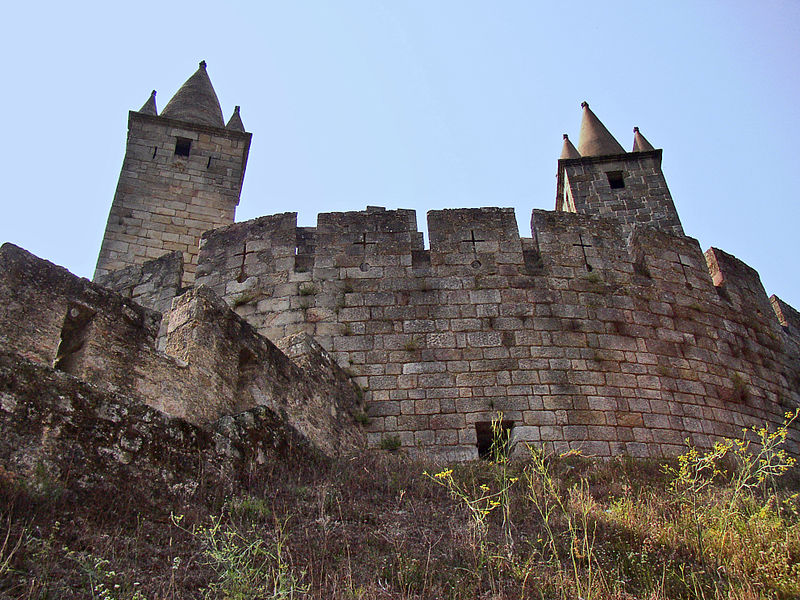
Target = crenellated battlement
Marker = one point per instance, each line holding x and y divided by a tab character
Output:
606	330
589	334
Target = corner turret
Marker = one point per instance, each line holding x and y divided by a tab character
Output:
149	107
568	150
235	122
640	143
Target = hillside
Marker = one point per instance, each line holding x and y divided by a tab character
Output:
376	526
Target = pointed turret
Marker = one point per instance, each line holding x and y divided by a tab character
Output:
235	122
196	101
183	163
569	150
595	139
640	143
149	107
600	179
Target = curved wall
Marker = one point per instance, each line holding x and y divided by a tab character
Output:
584	336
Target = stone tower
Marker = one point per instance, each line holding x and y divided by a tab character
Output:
600	178
181	176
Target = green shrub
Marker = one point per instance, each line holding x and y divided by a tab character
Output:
390	443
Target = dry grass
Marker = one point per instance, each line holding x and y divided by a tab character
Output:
374	526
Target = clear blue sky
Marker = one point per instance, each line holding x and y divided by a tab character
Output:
413	104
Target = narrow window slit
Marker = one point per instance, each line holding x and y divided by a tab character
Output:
74	335
248	369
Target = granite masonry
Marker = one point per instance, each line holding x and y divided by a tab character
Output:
607	330
181	176
214	365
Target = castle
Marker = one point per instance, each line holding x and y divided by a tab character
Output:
608	330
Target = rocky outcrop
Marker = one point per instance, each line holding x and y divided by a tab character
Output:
58	431
86	394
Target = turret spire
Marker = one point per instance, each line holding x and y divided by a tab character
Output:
595	139
569	150
196	101
640	143
235	122
149	107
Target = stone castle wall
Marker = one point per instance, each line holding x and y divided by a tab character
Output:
592	334
153	284
214	364
606	331
165	200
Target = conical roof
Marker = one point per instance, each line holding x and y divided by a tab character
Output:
595	139
149	107
235	122
640	143
196	101
569	150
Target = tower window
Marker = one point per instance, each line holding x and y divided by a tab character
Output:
183	146
615	179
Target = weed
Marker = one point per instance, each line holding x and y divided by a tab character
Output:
307	289
8	548
245	297
737	529
739	392
249	507
359	390
361	418
45	484
245	564
593	277
412	344
573	509
104	582
482	500
723	524
390	443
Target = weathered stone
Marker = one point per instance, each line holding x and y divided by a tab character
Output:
607	329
